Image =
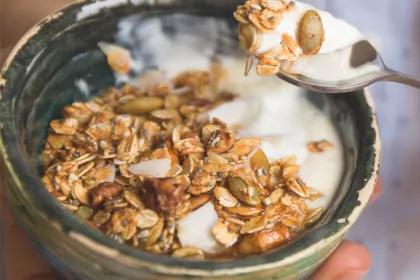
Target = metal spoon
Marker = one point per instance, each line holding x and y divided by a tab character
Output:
362	54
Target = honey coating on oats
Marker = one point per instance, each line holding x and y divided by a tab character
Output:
133	162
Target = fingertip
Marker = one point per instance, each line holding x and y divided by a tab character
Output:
350	261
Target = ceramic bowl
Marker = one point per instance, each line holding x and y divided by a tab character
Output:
39	78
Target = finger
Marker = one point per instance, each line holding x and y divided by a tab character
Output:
376	192
351	261
18	250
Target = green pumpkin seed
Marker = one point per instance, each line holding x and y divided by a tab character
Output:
311	33
141	105
84	213
246	194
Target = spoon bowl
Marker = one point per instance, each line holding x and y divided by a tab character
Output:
361	67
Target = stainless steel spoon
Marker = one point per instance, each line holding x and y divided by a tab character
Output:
362	54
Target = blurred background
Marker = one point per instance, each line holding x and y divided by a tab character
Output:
390	228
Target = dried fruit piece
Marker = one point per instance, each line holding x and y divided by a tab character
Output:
311	33
244	192
141	105
188	253
103	191
224	197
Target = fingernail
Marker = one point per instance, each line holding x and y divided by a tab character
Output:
351	275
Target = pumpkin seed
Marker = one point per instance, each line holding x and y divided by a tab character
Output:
239	189
248	37
311	33
141	105
84	212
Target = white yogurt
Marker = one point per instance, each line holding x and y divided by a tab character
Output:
268	108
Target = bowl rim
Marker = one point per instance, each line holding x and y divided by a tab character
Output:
21	174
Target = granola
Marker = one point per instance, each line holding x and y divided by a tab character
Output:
132	162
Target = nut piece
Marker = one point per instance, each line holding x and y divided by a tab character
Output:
311	33
103	191
188	253
163	195
225	197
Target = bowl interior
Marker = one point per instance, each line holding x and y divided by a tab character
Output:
48	73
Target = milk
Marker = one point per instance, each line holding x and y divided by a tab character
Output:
267	107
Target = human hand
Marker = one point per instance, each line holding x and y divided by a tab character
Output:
351	261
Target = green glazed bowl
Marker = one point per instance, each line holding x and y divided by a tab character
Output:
39	78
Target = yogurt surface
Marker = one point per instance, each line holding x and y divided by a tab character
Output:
267	108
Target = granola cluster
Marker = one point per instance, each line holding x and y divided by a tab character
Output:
258	17
132	162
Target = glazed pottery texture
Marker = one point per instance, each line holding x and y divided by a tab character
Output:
39	79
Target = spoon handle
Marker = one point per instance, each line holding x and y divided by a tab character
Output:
398	77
